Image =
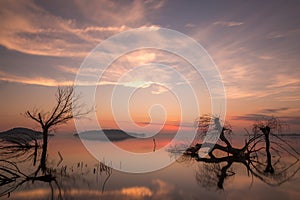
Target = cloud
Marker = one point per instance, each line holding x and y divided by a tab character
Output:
190	25
154	4
29	28
141	58
87	71
285	81
114	12
251	65
67	69
251	62
290	120
288	98
167	71
170	123
265	57
251	117
102	29
274	110
32	80
283	34
228	23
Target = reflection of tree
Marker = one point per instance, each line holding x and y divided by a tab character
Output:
261	154
99	170
15	173
210	175
19	147
18	151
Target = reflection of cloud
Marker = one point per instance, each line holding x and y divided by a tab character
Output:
158	190
33	193
163	188
137	192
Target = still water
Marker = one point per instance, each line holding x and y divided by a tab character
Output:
73	173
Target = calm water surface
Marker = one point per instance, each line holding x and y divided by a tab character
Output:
80	176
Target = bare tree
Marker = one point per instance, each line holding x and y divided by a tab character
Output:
262	154
66	108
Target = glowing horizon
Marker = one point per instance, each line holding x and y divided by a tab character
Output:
43	45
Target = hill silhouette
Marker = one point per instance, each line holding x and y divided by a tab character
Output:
18	133
111	134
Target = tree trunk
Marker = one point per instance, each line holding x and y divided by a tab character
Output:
44	151
223	174
269	167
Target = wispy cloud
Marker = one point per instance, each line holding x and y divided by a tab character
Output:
67	69
274	110
32	81
228	23
28	28
283	34
265	57
290	120
252	66
285	81
251	117
190	25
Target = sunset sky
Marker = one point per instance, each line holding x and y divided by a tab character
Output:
254	44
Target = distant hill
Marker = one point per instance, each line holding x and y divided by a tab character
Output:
111	134
18	133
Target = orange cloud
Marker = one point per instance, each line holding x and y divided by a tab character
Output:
32	81
29	28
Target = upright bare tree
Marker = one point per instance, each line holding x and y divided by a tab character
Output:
67	107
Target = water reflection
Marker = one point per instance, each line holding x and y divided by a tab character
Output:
24	163
68	171
264	155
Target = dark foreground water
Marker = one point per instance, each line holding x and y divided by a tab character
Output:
70	172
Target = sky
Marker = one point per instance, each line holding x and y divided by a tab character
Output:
255	46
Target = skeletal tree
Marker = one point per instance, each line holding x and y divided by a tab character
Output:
257	154
66	108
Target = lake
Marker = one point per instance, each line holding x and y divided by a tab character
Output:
73	173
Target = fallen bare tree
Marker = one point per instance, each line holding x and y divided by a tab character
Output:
255	154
